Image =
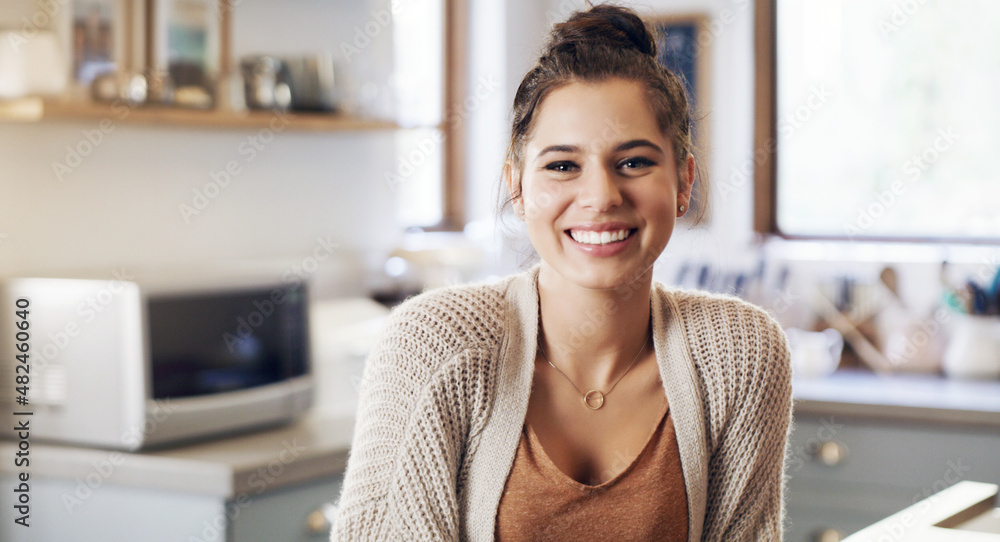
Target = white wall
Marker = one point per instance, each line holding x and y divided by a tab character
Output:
120	205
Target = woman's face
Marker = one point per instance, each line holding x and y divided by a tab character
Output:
599	184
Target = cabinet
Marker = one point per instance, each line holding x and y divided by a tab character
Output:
883	446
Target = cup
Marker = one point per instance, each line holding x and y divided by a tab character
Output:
814	353
910	343
974	348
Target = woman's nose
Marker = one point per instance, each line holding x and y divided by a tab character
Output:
599	189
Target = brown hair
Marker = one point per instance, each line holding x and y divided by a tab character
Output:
604	42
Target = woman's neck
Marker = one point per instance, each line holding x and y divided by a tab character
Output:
593	335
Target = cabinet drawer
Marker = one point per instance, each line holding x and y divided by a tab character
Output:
809	524
925	459
283	514
815	506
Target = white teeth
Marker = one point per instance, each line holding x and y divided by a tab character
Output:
598	238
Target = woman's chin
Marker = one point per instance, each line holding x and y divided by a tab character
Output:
598	275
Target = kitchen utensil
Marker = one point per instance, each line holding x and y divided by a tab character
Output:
703	277
980	300
159	88
867	352
739	284
994	293
120	86
312	83
890	279
266	82
682	274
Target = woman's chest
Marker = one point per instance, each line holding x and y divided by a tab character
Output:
615	475
593	446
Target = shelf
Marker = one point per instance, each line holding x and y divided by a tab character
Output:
37	110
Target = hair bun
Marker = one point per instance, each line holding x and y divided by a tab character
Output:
607	25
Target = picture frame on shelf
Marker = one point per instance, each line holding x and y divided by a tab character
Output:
98	34
183	47
682	45
185	41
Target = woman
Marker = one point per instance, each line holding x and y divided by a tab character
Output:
580	397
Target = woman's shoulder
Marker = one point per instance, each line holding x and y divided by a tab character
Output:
458	314
440	337
738	349
719	311
470	298
730	333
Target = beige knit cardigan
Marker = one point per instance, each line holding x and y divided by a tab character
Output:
445	391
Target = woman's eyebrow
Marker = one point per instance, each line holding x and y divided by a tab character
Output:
558	148
628	145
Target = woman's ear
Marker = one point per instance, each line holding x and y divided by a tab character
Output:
512	177
686	182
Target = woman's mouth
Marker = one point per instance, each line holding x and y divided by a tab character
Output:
586	237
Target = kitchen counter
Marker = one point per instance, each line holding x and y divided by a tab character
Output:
965	512
311	448
910	397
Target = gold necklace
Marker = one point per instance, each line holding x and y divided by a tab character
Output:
597	395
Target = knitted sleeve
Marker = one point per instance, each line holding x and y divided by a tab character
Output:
750	400
413	422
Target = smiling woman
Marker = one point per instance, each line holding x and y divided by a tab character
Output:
578	398
577	176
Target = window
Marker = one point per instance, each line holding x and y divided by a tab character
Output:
883	117
419	63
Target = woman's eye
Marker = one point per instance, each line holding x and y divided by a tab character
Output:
636	162
561	167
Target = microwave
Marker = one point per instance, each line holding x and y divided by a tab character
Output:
111	364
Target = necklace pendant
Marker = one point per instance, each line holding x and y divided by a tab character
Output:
593	399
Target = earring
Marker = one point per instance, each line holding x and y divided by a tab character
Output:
520	211
680	208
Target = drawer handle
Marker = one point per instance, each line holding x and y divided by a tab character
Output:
830	453
828	535
320	521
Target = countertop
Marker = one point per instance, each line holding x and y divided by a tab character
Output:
912	397
313	447
964	512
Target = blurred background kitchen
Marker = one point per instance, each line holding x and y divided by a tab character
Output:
356	147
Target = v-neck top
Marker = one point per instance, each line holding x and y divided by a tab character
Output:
645	501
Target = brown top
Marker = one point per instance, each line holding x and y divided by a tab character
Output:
646	501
